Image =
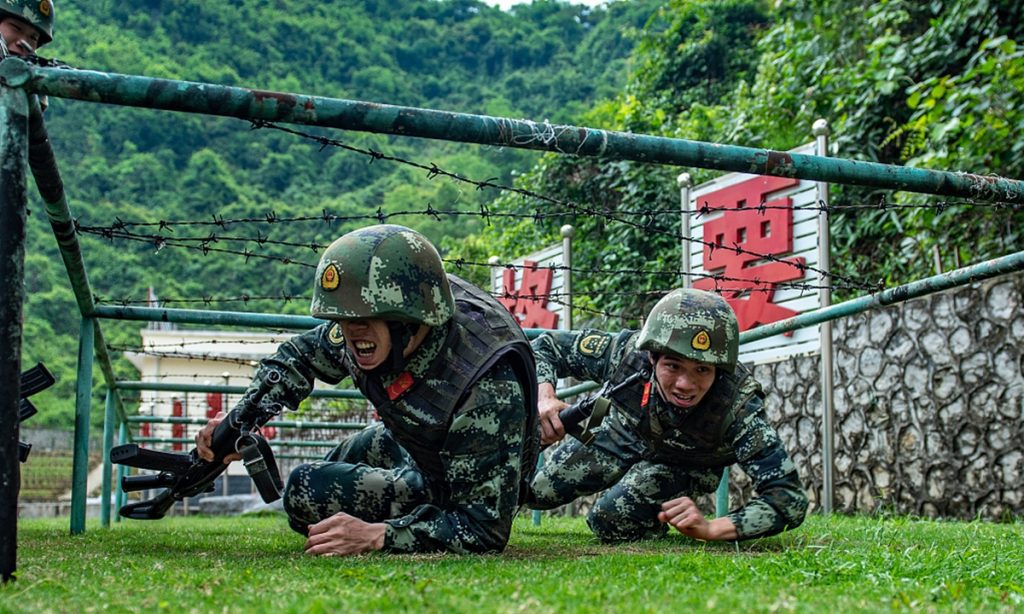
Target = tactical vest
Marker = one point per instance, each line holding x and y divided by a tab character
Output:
481	333
699	440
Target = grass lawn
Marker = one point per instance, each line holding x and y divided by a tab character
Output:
255	564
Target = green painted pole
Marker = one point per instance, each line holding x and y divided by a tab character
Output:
51	188
209	99
722	495
14	128
83	401
922	287
109	419
206	317
120	496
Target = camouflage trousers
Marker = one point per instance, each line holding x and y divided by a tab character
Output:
369	476
634	488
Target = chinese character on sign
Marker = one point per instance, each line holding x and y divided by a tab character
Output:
214	403
177	430
749	281
530	302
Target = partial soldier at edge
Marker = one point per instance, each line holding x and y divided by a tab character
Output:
667	437
25	26
452	377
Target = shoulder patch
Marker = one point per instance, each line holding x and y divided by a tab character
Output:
593	345
334	334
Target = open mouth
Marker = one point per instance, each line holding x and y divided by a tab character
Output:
364	349
684	400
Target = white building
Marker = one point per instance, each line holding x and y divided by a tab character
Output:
195	357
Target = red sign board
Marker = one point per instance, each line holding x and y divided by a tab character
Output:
529	303
737	243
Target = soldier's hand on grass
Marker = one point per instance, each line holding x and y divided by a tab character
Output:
204	438
343	534
682	513
548	406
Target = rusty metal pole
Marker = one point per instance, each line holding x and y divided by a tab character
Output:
355	115
13	204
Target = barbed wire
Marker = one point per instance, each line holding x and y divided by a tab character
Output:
722	282
197	356
183	344
720	287
380	216
160	242
719	278
204	244
542	299
204	300
434	171
190	375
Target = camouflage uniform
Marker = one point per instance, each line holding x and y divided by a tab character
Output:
647	451
452	459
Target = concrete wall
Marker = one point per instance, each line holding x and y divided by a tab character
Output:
929	407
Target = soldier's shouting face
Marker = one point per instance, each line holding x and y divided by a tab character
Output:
369	341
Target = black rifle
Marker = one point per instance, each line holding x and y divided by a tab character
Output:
580	418
187	475
36	379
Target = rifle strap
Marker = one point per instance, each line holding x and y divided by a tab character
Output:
259	462
594	420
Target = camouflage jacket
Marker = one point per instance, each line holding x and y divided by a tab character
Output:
729	425
476	455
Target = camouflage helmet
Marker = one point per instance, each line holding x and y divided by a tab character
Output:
387	272
39	13
693	324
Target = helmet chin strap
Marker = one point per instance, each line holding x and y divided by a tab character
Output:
401	334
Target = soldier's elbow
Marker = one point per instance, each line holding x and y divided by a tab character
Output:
796	509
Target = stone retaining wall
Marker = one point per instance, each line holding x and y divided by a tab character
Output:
929	407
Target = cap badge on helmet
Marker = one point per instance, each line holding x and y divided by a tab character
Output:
701	341
330	278
45	7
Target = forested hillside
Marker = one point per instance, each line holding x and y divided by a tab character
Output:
936	85
547	60
928	84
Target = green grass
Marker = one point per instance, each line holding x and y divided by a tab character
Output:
255	564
